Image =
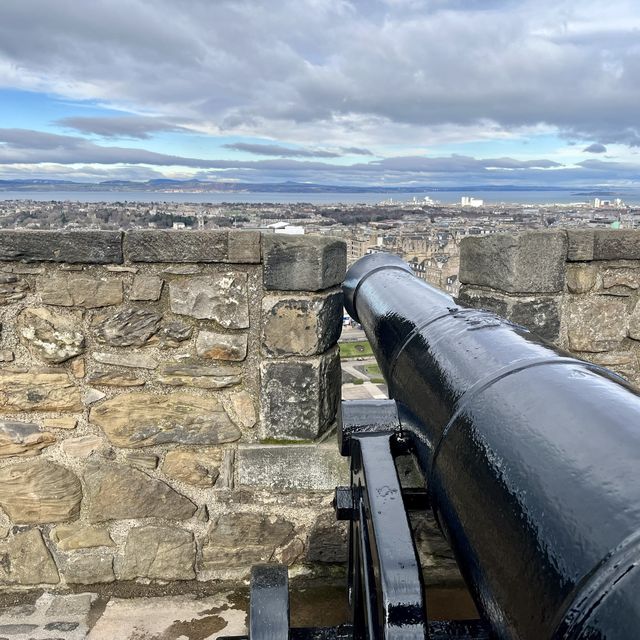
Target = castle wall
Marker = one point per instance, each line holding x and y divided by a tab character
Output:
163	399
577	288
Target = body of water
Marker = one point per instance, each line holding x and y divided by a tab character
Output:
445	197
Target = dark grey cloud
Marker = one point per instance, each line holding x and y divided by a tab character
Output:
356	151
629	135
324	68
27	139
23	146
458	163
280	150
139	127
596	147
50	155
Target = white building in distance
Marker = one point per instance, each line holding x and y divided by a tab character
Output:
468	201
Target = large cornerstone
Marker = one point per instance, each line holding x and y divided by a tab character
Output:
164	397
579	288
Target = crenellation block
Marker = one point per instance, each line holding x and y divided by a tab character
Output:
529	262
302	263
72	247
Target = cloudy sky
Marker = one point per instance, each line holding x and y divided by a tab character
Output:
388	92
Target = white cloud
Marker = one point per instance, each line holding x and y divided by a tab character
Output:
253	64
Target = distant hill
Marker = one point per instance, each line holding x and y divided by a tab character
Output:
201	186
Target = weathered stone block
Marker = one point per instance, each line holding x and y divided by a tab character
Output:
328	540
612	244
128	327
290	553
302	263
244	247
87	567
49	335
118	268
540	315
303	467
620	280
301	326
69	537
66	422
23	439
143	460
38	391
219	297
580	245
83	446
182	270
261	534
144	245
118	492
71	290
74	247
300	397
486	299
204	376
171	335
624	363
193	246
613	358
115	379
242	410
26	560
598	323
581	277
634	323
91	396
39	492
142	419
78	367
529	262
146	288
159	553
199	468
434	552
221	346
12	288
129	359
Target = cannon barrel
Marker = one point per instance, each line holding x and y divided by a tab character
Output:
531	457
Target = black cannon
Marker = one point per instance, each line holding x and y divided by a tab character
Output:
531	466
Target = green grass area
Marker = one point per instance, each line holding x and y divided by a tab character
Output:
360	349
374	373
372	370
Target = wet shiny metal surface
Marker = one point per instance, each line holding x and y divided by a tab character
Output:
532	457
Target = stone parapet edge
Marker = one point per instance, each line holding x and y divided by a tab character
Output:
238	246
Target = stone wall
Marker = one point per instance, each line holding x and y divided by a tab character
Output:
163	398
577	288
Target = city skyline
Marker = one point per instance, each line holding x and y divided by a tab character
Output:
386	92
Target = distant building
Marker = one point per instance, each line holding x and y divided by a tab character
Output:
468	201
285	228
616	203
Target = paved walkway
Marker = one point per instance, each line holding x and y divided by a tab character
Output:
366	389
87	616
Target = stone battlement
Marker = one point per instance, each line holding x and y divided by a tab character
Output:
162	399
578	288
